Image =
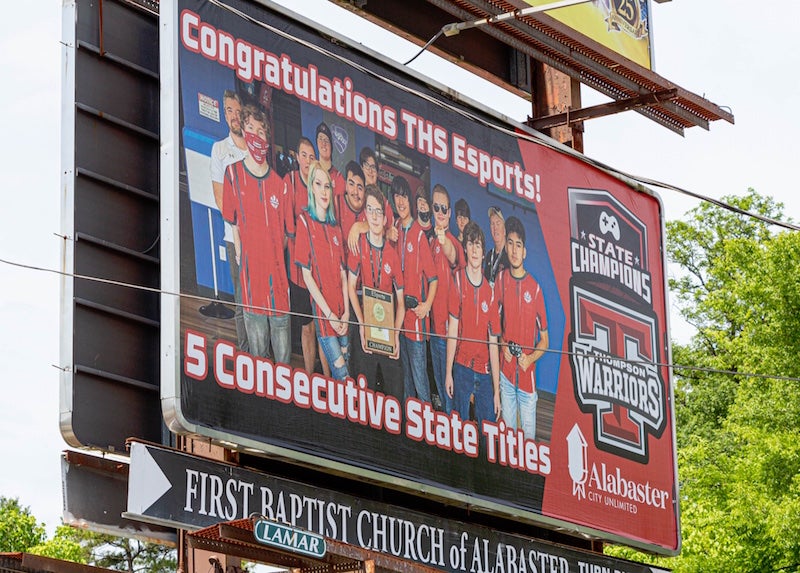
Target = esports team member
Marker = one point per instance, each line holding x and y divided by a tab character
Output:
524	335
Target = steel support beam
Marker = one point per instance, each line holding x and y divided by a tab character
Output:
578	115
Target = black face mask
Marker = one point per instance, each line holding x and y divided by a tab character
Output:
424	216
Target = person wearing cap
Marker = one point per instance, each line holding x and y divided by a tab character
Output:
421	283
448	258
462	217
523	338
422	201
497	258
325	157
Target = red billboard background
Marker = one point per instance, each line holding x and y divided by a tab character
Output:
602	460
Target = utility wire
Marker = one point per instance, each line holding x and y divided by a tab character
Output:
537	140
356	324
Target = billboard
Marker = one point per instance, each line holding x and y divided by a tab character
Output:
519	370
620	25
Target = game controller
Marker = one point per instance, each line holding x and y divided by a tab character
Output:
609	224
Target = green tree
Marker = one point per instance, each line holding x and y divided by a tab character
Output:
63	546
738	435
131	555
19	530
121	553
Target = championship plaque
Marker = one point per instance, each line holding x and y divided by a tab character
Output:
378	308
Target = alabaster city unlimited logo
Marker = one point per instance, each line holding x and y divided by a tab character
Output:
606	485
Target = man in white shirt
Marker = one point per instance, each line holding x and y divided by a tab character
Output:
223	153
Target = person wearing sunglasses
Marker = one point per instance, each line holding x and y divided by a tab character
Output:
448	257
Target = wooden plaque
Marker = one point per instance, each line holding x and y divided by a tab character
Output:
378	308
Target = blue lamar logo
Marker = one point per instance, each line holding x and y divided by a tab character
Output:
284	537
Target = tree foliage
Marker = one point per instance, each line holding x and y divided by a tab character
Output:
21	532
738	434
131	555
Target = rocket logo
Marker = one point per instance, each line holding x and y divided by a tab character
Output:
578	461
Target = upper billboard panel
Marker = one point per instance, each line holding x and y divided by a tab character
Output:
621	25
518	369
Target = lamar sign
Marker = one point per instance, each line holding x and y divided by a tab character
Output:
289	538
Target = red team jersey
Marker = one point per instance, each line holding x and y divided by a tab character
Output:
419	272
337	180
319	248
523	318
260	208
375	267
298	198
478	316
445	272
346	217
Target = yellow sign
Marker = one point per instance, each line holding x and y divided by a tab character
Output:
621	25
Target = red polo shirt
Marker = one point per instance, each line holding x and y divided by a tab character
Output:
444	271
478	317
260	208
298	197
376	267
419	272
319	248
523	318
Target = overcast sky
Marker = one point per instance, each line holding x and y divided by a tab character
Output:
741	56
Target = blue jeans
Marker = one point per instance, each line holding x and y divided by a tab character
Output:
263	330
516	403
467	382
336	347
439	359
415	369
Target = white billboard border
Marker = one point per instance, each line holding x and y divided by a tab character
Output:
170	297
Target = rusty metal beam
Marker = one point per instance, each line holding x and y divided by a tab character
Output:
578	115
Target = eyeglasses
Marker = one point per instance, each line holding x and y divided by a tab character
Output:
369	166
374	211
439	208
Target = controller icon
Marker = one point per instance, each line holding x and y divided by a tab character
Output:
609	224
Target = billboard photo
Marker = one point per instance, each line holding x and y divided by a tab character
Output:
380	283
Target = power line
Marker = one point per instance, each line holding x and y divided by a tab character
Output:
356	324
537	140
